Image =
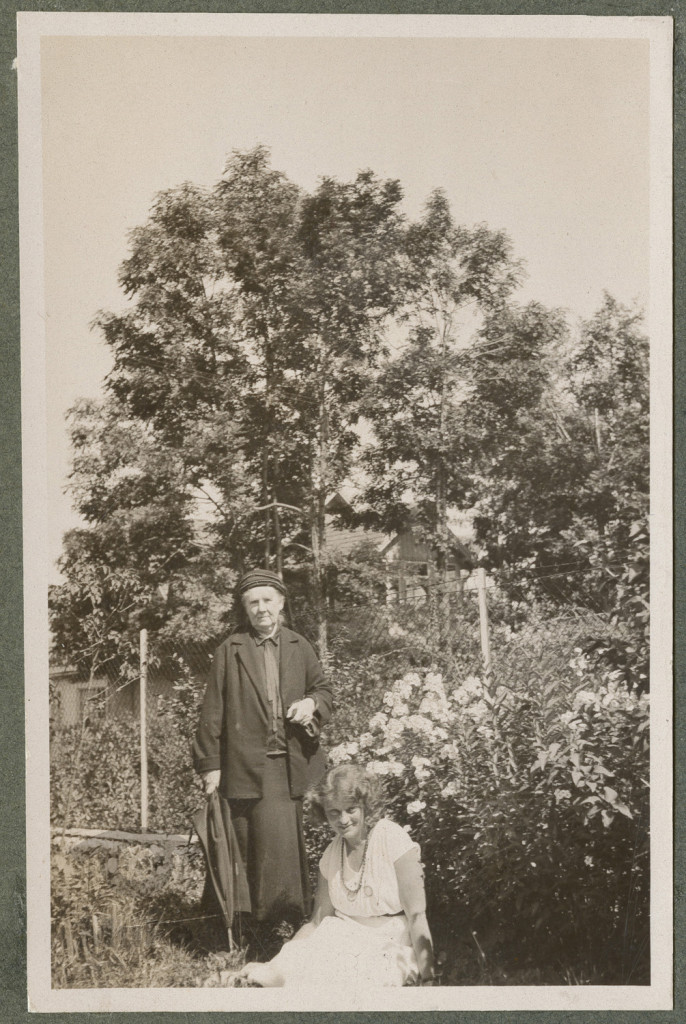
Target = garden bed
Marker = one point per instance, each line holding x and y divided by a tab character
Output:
127	913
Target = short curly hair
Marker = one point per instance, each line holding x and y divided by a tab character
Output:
353	784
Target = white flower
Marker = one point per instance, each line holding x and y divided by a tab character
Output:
392	735
460	696
434	683
402	688
583	698
421	766
450	790
366	740
400	709
423	726
394	630
415	806
435	705
378	721
451	751
343	752
472	684
470	689
338	754
386	768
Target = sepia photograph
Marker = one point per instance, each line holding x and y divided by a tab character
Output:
346	421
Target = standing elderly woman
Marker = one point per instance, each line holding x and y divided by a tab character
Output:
258	743
369	924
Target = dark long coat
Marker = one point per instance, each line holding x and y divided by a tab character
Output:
234	720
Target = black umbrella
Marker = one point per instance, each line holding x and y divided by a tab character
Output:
225	868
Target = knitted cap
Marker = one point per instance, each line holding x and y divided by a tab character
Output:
260	578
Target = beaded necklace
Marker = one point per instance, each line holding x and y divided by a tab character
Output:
351	891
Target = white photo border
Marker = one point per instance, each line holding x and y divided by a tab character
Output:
32	27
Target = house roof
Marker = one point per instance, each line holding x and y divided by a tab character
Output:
58	671
341	540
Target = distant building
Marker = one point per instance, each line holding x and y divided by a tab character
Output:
411	562
74	698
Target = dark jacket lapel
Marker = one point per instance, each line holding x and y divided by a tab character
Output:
292	683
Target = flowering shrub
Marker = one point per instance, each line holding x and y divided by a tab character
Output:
530	802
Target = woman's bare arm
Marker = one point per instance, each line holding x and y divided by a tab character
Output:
410	877
323	907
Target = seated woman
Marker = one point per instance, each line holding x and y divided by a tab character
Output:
369	923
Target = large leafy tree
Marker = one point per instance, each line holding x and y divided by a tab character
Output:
253	312
257	217
253	345
559	470
144	557
351	239
523	467
609	377
561	453
416	462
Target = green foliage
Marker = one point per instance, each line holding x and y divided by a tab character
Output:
528	793
560	465
95	768
529	798
558	473
415	459
176	792
95	776
255	314
125	915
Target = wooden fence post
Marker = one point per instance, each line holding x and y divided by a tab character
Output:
483	622
143	700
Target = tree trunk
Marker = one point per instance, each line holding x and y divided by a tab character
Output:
318	510
442	534
276	523
267	487
596	427
267	512
318	574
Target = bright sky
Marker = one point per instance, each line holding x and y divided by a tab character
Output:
547	139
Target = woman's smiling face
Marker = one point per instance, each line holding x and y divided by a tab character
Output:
346	818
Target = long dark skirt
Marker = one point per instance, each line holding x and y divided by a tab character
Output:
270	837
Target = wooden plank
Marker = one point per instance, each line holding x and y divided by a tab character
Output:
114	835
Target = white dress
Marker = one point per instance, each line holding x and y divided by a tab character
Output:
367	942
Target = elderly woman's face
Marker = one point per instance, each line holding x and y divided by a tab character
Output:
263	606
